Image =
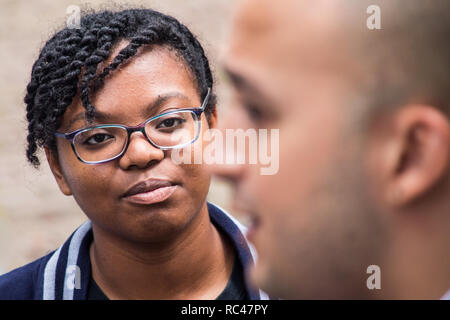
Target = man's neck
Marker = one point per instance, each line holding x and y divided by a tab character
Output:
195	265
418	267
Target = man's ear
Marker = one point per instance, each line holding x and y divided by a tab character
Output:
53	162
415	155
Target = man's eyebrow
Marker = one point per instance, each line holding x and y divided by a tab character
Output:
101	116
242	82
247	86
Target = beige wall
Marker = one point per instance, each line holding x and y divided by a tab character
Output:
34	216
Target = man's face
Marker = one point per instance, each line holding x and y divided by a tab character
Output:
312	219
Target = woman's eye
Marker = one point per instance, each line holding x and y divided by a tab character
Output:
98	138
170	123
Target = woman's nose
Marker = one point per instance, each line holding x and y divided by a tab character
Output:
140	152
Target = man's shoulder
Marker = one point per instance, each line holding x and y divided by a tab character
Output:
22	283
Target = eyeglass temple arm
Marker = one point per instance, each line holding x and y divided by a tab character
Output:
205	102
59	134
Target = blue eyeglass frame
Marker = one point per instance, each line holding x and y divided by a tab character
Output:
141	128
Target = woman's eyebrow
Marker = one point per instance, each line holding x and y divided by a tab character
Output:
98	116
101	116
162	99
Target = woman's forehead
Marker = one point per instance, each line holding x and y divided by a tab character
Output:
155	74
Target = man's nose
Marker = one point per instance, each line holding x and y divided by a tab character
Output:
140	152
232	171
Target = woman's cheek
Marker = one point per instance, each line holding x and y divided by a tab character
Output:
91	188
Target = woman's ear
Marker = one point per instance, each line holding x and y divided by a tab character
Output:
53	162
212	118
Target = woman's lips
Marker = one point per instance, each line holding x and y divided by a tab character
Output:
154	196
150	191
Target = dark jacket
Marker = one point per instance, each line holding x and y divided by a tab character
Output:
65	272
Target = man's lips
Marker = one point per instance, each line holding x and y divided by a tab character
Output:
253	226
150	191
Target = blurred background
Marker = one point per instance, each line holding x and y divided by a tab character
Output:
35	217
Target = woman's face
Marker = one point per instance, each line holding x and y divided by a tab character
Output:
129	97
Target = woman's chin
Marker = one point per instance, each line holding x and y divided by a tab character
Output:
156	223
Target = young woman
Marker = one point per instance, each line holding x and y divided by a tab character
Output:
110	102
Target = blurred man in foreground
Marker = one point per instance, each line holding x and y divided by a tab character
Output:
360	207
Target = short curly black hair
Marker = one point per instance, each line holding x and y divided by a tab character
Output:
67	64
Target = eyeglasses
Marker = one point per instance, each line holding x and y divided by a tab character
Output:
170	130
